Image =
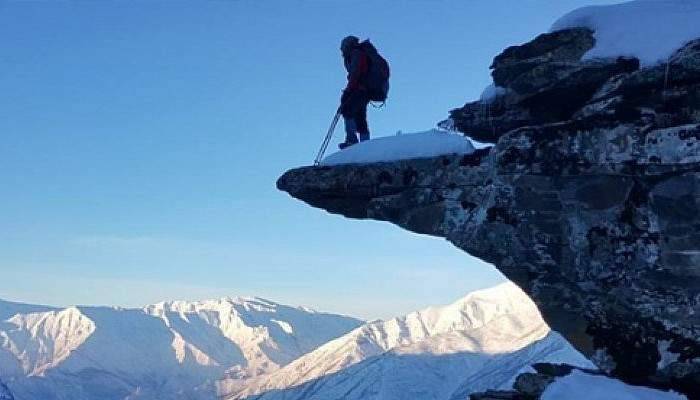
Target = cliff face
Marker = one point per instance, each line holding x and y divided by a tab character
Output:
589	199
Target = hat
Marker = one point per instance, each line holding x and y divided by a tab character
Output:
349	42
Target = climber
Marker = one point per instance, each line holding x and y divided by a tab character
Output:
368	80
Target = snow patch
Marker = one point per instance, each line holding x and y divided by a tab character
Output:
284	325
581	386
491	92
650	30
667	357
427	144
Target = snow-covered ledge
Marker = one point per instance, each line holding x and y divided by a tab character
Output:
402	146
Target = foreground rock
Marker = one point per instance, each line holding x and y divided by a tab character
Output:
531	385
589	200
5	393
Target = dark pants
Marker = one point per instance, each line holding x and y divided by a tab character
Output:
354	112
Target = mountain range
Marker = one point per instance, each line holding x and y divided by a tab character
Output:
482	341
249	348
167	350
252	348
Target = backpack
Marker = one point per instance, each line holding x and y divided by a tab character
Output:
378	72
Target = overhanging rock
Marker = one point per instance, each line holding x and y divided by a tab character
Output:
589	199
605	241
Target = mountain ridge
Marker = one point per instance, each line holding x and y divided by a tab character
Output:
455	340
162	350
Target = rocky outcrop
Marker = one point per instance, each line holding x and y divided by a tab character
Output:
531	385
545	82
5	393
589	199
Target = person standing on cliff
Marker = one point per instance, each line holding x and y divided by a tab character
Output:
368	80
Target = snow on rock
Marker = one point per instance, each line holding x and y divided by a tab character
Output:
594	174
491	92
268	334
285	326
481	341
650	30
166	350
579	385
403	146
42	340
667	357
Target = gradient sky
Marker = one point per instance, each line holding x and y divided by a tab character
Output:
140	142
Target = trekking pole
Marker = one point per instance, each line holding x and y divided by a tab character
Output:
327	139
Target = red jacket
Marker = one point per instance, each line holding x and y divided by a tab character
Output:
357	65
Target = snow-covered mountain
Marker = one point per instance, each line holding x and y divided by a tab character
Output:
167	350
254	348
483	341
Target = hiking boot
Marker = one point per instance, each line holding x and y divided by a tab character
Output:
344	145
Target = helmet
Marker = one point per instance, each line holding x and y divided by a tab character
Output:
348	43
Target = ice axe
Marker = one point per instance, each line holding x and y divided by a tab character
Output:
327	139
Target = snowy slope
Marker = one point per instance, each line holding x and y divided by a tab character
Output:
650	30
166	350
400	147
481	341
582	386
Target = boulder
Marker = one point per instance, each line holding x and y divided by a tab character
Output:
545	81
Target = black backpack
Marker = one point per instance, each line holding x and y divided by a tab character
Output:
378	72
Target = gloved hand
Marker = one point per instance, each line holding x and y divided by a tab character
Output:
344	98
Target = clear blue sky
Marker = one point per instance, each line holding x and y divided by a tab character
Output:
140	142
